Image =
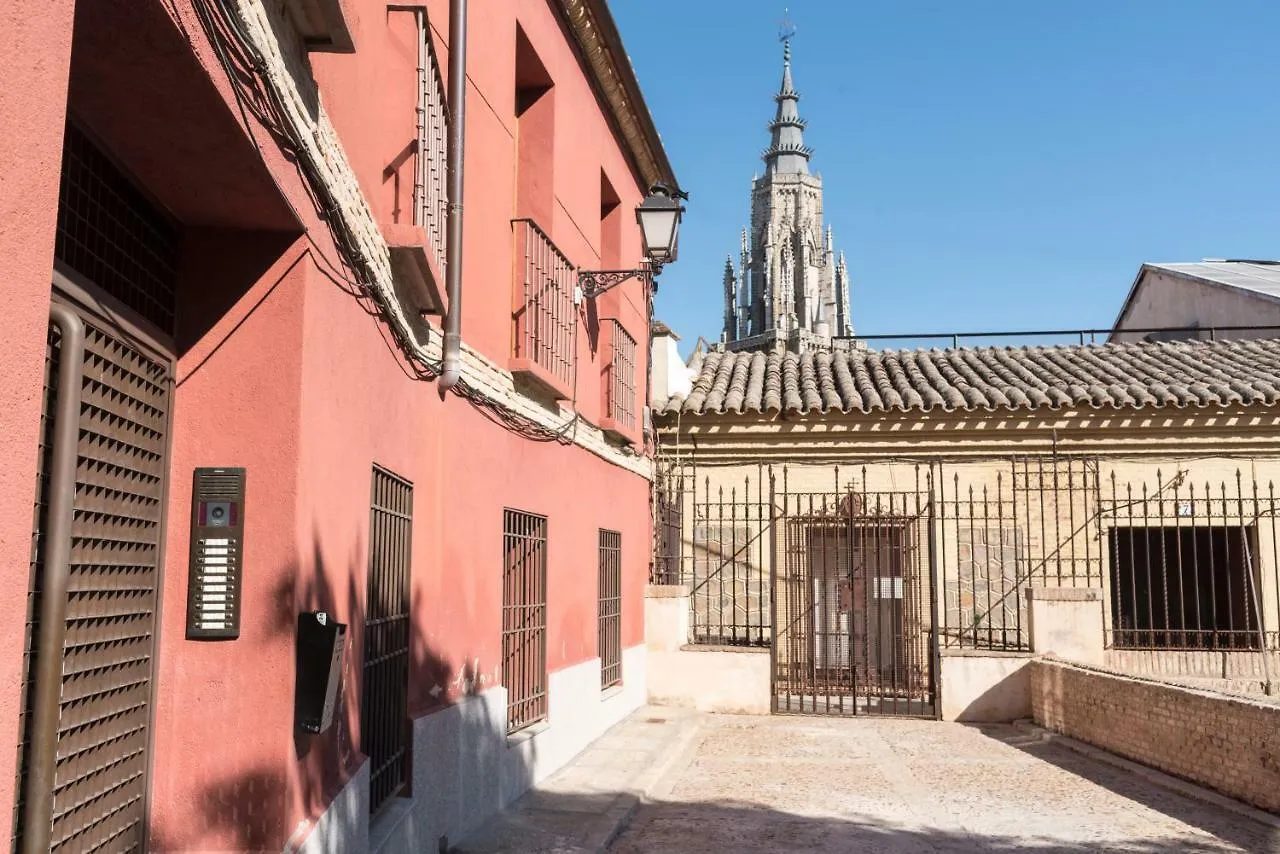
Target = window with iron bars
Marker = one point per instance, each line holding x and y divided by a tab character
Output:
544	319
610	628
620	402
524	617
384	720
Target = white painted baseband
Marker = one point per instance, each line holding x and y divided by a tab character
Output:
344	826
465	768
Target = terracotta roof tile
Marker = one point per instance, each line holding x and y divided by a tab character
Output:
1116	376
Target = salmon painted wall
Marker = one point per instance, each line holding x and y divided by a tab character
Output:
284	372
377	123
33	87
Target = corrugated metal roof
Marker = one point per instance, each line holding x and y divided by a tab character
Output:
1249	275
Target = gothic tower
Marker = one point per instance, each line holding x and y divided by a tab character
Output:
790	289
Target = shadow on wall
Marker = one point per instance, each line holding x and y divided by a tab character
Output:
250	811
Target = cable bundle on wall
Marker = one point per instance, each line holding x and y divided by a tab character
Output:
256	92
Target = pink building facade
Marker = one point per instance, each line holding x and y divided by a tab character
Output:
225	260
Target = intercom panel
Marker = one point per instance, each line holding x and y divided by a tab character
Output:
217	554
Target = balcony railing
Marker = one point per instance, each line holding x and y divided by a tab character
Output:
620	383
543	311
430	190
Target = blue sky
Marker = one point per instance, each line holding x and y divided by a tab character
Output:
988	164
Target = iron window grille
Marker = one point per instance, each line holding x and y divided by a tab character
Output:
621	397
524	617
610	608
1189	563
111	234
384	719
544	319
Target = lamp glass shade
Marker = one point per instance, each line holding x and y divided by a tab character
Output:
659	218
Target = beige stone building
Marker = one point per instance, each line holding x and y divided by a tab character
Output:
876	521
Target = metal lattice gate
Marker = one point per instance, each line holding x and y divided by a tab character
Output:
98	521
112	549
853	609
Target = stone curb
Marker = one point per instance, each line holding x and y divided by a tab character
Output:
1151	775
641	791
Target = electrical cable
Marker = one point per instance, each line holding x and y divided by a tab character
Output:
268	108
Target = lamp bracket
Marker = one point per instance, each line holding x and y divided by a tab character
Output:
592	283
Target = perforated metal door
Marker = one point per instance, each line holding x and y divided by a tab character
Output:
104	715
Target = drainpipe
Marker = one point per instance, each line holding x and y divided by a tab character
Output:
452	362
37	808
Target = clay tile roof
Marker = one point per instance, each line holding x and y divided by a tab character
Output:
1101	376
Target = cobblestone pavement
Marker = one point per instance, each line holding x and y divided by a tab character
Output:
581	807
754	785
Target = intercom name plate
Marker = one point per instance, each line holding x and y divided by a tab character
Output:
217	554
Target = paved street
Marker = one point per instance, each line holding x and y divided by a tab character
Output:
811	784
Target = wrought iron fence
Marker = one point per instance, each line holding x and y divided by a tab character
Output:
610	608
524	617
668	525
384	717
1193	564
1007	525
1182	565
716	540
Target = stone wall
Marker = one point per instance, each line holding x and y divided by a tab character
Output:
982	594
730	582
1230	744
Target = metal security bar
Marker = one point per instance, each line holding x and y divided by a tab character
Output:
112	235
543	312
610	607
1025	521
524	617
384	717
668	525
854	633
726	564
621	399
112	552
84	752
1193	564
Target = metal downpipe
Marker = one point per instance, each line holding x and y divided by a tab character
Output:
37	808
452	361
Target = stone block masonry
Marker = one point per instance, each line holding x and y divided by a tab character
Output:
1226	743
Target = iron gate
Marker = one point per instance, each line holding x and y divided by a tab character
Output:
93	784
853	606
97	538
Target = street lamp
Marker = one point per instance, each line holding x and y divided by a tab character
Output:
659	218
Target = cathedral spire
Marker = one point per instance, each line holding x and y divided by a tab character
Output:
787	152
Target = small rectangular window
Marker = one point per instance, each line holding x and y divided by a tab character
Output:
524	617
384	717
610	608
621	386
1183	587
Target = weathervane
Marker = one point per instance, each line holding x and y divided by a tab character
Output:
786	29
